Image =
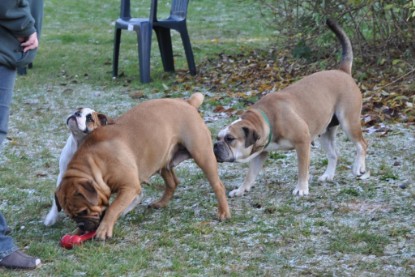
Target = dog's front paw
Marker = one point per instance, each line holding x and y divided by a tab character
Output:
359	169
52	216
157	204
224	214
300	191
103	232
236	192
51	219
326	177
364	176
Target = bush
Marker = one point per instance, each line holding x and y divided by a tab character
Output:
374	26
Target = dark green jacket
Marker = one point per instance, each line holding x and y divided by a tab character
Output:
15	21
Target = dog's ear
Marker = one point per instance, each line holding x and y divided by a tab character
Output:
110	121
88	191
104	120
57	203
250	136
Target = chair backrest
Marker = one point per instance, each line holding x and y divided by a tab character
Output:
179	9
125	10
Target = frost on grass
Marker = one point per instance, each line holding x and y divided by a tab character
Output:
348	227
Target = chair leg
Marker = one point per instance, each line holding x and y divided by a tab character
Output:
144	51
117	40
188	51
166	49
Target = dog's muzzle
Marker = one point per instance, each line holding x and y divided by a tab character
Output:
223	152
72	117
88	224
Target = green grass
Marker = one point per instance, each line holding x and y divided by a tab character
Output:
77	40
347	240
347	227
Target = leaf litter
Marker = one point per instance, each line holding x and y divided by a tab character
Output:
346	227
388	95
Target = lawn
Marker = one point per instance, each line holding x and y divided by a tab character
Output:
347	227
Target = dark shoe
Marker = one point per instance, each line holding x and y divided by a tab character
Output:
7	231
20	260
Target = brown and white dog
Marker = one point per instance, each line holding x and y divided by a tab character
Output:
151	138
82	122
293	117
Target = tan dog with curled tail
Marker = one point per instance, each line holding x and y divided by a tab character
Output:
292	118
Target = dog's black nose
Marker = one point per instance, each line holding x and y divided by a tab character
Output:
216	149
81	226
217	152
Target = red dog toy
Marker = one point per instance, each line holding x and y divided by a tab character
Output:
68	241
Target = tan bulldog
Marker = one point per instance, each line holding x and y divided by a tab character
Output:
151	138
292	118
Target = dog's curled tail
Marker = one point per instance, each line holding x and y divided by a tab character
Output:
196	99
347	53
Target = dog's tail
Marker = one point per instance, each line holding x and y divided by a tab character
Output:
347	53
196	99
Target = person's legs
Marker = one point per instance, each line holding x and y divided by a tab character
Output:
10	255
7	245
7	78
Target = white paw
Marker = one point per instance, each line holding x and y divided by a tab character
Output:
364	176
359	169
326	177
237	192
51	218
300	192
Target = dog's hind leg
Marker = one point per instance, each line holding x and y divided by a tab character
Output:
359	164
327	141
207	162
171	183
354	131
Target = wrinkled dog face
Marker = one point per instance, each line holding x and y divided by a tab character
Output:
235	143
81	202
84	120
